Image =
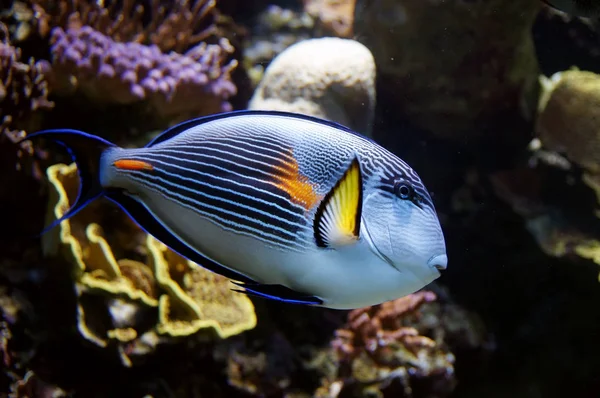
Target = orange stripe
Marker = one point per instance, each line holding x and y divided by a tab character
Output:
297	186
128	164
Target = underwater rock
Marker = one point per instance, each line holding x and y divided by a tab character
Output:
173	85
131	305
333	17
331	78
263	367
175	25
452	66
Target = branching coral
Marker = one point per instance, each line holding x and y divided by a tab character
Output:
193	84
377	346
136	305
175	25
23	92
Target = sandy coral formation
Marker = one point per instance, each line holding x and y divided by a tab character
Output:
382	349
134	305
566	124
568	112
173	85
175	25
332	78
333	17
467	70
23	94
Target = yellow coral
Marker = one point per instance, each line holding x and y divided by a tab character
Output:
184	297
97	266
569	110
590	250
197	299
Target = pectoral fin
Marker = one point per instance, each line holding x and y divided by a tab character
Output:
337	220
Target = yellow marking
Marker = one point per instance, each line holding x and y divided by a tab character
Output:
129	164
341	210
297	186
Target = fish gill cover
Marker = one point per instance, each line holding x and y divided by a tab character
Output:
493	103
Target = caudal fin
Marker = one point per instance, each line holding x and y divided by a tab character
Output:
85	150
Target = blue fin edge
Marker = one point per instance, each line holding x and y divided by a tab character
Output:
181	127
85	150
278	293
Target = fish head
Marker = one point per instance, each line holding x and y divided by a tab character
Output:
400	223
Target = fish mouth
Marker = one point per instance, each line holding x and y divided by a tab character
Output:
439	262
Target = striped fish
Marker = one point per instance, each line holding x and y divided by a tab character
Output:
289	207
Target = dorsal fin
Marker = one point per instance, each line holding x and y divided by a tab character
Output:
181	127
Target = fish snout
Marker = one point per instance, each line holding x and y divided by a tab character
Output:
439	262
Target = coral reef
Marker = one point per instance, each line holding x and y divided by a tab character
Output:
333	17
521	222
175	25
564	155
568	109
23	94
277	29
332	78
181	297
173	85
379	345
452	78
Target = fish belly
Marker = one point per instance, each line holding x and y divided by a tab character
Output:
351	277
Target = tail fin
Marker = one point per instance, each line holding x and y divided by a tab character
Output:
85	150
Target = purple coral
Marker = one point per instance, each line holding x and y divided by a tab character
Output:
195	83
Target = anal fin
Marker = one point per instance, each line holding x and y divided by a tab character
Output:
277	292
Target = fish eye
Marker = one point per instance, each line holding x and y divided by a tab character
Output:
403	190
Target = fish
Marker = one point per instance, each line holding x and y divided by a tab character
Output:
289	207
576	8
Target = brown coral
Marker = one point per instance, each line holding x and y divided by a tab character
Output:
176	25
568	117
333	17
379	344
23	93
